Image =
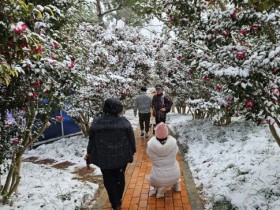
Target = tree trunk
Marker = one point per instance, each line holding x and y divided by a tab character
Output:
100	14
274	134
13	178
184	110
224	121
198	114
178	109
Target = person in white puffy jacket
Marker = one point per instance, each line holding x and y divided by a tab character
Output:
162	149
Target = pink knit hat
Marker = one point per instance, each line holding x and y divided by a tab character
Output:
161	131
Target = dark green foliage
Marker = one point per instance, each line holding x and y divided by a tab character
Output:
223	205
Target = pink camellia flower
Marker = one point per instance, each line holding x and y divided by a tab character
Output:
244	31
240	55
71	65
249	103
19	27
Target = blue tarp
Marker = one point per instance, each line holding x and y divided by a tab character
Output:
60	129
57	129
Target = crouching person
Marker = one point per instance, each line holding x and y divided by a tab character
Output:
111	147
162	149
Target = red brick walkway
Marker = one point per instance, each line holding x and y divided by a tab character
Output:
137	189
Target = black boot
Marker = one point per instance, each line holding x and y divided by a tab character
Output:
117	207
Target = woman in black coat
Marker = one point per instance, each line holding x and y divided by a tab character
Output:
111	147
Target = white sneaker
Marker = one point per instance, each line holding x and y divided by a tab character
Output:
147	135
177	187
142	133
160	192
153	192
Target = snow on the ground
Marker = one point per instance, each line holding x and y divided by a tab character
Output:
238	163
45	187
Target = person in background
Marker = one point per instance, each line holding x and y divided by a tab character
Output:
162	149
152	119
111	147
161	105
143	104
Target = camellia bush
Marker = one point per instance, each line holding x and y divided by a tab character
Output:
116	62
43	75
230	52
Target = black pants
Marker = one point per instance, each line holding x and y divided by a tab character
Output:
144	118
114	182
160	117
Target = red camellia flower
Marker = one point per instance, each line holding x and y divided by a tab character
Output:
274	100
275	91
249	103
35	94
218	87
38	49
233	15
37	84
179	58
54	57
229	100
255	27
240	55
206	78
225	34
71	65
55	45
15	141
183	21
59	118
19	27
244	31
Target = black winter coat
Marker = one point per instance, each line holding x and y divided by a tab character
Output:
161	101
111	142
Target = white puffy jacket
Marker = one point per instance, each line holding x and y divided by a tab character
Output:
165	170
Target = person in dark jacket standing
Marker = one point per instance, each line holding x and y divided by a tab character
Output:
161	105
143	103
111	147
